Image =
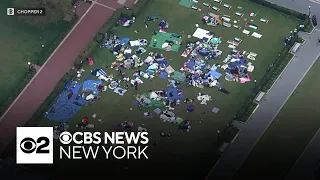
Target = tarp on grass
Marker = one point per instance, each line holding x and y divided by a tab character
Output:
148	102
186	3
215	74
178	76
91	86
174	94
160	38
65	107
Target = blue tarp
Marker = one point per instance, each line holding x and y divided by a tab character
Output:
104	44
233	65
173	94
163	75
215	74
65	108
153	67
163	62
190	65
203	52
124	41
91	85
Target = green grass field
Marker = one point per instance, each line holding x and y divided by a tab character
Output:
21	43
289	134
185	155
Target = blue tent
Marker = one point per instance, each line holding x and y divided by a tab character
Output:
124	41
215	74
174	94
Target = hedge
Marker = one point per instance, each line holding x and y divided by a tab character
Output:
304	19
229	133
93	46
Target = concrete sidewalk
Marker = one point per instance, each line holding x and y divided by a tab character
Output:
236	153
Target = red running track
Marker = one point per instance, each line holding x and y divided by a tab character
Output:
60	62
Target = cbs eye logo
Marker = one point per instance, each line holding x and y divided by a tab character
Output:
65	137
10	11
29	145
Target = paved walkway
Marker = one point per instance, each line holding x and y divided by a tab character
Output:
55	67
236	153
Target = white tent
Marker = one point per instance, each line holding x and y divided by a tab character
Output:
256	35
202	33
153	95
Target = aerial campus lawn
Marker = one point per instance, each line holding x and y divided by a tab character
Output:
192	154
20	44
289	134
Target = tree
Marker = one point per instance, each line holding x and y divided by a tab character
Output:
55	10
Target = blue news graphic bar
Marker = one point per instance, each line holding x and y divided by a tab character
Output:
30	11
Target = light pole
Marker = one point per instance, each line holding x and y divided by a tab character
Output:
218	132
309	11
75	10
30	66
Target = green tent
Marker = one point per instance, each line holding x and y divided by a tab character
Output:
178	76
151	102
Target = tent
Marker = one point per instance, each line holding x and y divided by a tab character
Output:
178	76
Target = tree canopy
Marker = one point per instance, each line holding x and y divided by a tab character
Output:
55	10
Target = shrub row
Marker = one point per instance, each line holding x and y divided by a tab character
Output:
93	46
229	133
304	19
246	112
